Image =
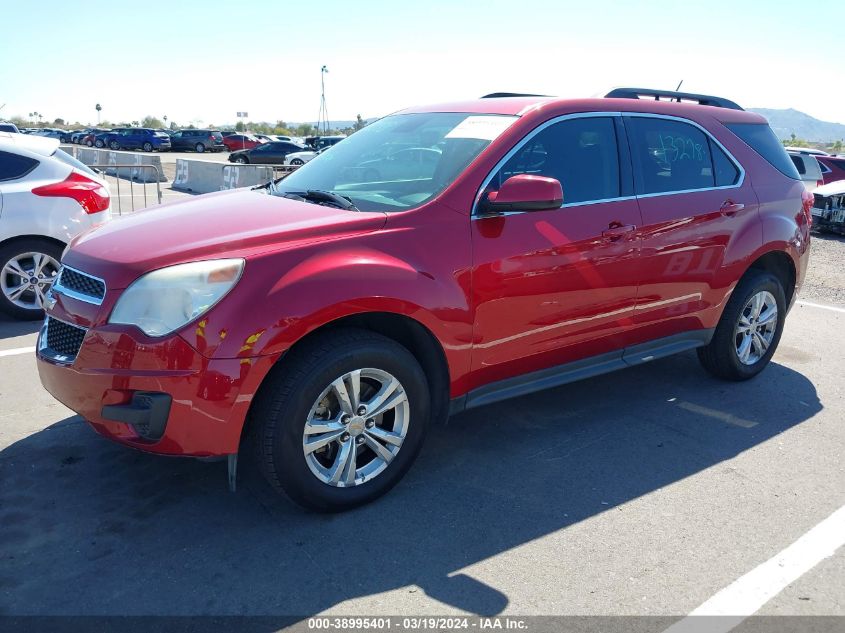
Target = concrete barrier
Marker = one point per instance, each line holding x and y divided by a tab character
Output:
235	176
70	149
204	176
91	156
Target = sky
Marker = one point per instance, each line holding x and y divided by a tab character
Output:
202	61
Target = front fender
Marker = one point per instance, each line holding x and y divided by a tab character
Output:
391	271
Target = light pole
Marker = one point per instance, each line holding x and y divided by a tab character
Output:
324	112
98	107
165	120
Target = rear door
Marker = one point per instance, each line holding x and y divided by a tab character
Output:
556	286
694	199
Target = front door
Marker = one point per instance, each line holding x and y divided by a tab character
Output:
556	286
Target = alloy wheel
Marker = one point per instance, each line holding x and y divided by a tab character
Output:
26	278
356	427
756	327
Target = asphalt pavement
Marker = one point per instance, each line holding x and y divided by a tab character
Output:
643	492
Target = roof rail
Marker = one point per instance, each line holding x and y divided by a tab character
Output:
671	95
496	95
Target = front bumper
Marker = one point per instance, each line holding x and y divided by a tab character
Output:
118	370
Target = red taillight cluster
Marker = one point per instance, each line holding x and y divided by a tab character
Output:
90	194
807	200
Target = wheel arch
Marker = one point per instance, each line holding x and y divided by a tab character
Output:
405	330
46	238
781	265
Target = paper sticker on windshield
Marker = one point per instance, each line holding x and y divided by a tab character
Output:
485	128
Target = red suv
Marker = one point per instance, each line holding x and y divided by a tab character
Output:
330	317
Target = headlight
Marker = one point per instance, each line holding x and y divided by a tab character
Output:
164	300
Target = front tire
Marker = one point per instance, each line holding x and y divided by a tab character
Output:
242	160
28	269
114	145
341	419
200	148
148	147
750	328
297	161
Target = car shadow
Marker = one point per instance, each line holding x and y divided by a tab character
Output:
10	328
89	527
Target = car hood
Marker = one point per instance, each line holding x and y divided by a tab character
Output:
235	223
835	188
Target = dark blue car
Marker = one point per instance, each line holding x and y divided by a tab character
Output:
137	138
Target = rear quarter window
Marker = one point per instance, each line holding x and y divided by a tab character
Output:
761	138
13	166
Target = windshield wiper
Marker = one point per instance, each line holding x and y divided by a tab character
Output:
320	195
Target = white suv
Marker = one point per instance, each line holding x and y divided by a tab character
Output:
46	198
808	168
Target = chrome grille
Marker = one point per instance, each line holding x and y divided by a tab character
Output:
80	285
61	340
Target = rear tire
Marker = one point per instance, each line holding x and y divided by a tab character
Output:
114	145
200	148
300	389
99	144
14	256
148	147
744	342
297	161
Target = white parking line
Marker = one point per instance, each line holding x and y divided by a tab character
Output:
16	351
810	304
748	594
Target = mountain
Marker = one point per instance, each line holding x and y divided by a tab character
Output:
788	122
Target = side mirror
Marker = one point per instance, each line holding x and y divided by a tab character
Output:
525	192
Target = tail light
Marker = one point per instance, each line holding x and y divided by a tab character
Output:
819	183
92	196
807	200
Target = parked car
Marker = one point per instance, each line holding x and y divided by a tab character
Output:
414	162
48	197
139	138
832	168
557	239
197	141
66	135
103	139
266	153
829	207
300	158
235	142
77	136
806	150
319	142
808	168
50	133
9	127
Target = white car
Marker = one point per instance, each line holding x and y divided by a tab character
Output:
300	158
46	198
808	169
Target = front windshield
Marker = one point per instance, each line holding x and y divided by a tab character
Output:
398	162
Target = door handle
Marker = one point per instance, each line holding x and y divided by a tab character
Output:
731	208
617	231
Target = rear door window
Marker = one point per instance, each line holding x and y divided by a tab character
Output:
669	156
581	153
14	166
